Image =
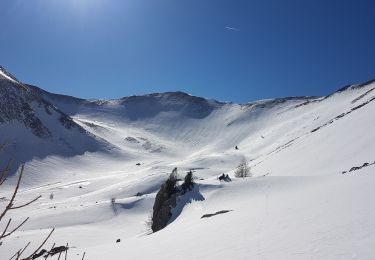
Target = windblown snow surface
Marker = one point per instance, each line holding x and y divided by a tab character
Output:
303	202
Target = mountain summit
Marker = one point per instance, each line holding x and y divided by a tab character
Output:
32	126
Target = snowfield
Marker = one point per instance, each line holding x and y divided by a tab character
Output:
304	201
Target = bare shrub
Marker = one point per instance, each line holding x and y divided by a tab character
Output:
243	169
10	228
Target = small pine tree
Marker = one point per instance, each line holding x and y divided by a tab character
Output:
188	182
170	184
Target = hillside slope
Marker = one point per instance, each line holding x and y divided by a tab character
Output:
312	160
33	127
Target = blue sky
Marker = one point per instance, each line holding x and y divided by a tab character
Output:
232	50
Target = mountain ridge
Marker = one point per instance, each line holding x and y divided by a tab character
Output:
5	73
28	122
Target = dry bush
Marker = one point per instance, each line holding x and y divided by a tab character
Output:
243	169
11	227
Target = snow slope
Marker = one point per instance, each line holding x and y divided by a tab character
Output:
33	127
303	202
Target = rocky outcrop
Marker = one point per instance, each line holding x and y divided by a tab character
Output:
20	103
162	211
165	201
356	168
33	126
171	199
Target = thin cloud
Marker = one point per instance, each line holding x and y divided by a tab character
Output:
232	28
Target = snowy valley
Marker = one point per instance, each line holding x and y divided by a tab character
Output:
310	196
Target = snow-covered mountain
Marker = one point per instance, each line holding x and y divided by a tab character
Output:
31	126
312	160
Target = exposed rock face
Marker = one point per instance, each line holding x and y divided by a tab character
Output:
19	102
165	201
15	105
34	127
171	199
162	209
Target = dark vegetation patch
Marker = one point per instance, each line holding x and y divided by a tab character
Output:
356	168
283	146
131	140
216	213
90	124
362	96
308	102
224	177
